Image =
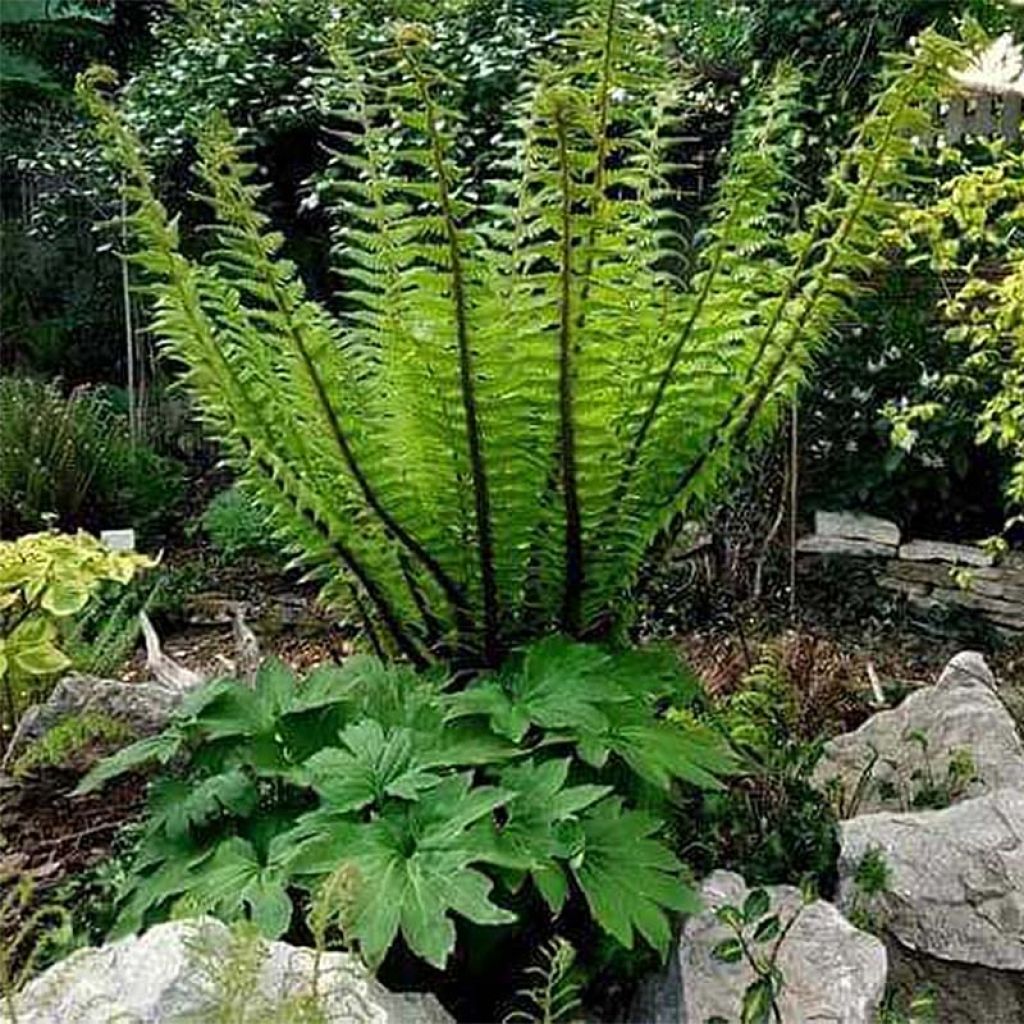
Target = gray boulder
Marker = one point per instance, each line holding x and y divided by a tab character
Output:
144	707
192	972
833	973
953	909
914	742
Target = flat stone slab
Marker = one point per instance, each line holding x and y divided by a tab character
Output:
815	544
956	878
853	526
894	755
184	970
833	972
941	551
1008	613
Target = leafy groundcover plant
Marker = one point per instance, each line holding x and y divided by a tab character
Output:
443	801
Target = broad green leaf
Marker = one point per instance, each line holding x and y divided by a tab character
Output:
530	838
630	880
66	596
757	1002
756	905
659	751
234	878
368	766
33	632
182	805
767	929
728	951
160	748
415	865
41	660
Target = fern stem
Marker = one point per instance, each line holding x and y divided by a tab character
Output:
571	601
245	219
481	493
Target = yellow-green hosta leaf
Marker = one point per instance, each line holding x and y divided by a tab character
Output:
66	597
3	663
42	660
33	632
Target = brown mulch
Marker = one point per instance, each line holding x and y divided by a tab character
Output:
48	834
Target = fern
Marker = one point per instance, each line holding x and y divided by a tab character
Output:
521	390
555	995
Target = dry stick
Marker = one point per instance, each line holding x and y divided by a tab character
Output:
770	536
794	460
129	333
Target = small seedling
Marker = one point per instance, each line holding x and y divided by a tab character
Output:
870	880
758	935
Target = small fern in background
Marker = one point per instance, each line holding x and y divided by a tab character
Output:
236	526
70	458
553	997
523	389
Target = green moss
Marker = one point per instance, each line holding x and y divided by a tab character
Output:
69	737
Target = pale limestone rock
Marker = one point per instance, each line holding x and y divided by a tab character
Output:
816	544
143	707
941	551
953	911
179	971
960	714
833	972
853	526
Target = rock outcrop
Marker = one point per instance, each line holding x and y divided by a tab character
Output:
896	755
143	707
833	972
194	970
953	907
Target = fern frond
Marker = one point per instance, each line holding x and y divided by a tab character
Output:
554	996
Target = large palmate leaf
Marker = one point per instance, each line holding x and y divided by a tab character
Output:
604	704
415	867
560	683
656	750
159	749
179	806
535	835
630	880
369	766
234	880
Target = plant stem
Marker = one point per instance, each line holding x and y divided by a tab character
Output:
572	598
